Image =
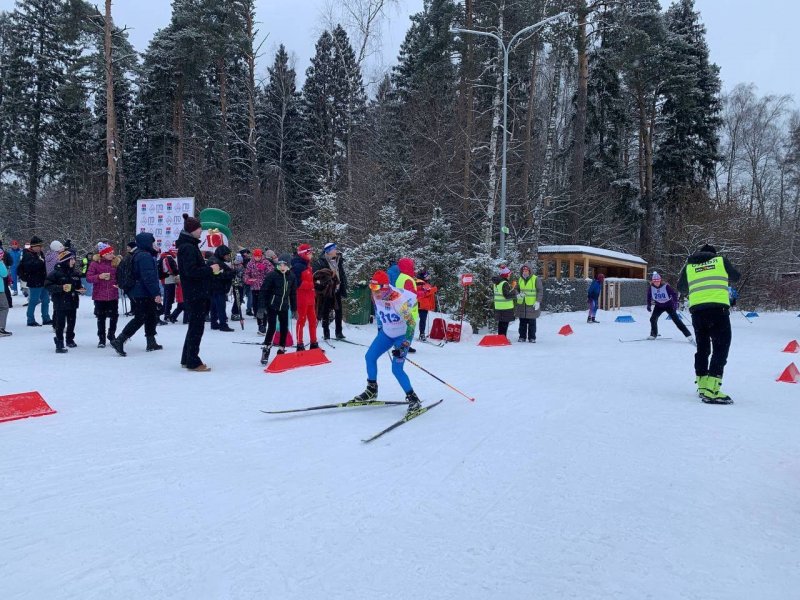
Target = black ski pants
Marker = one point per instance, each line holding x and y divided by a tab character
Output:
712	330
659	310
274	318
64	319
145	312
502	327
197	310
333	304
527	329
106	309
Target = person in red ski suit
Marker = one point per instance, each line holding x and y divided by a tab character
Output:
306	297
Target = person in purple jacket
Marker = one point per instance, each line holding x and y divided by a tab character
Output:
102	274
665	299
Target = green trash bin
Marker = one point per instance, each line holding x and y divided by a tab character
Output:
358	306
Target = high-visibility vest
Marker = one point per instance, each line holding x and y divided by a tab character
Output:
708	282
528	288
500	301
401	283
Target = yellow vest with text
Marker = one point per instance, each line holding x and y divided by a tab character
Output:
401	283
500	301
708	283
529	289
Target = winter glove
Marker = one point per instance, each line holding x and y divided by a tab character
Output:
537	306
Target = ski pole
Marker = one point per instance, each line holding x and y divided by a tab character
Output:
745	317
455	389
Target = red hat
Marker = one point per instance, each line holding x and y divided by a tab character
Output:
304	249
258	253
107	250
380	278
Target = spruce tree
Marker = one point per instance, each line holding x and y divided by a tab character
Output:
442	257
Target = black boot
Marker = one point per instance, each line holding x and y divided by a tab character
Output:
153	345
59	346
265	351
118	345
413	402
314	346
369	394
300	347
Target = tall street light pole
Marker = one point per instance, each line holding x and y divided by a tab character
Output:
506	48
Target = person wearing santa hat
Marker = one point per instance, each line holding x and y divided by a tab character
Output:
102	274
665	299
306	296
394	313
505	294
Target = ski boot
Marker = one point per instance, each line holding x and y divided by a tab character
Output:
414	403
712	394
340	336
371	393
153	345
651	337
300	347
314	346
281	350
265	351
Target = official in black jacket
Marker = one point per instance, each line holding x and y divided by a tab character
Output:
278	295
196	281
32	270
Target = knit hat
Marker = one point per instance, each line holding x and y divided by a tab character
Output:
505	272
104	249
190	224
270	254
56	246
329	247
655	276
708	248
284	259
36	241
304	249
64	256
258	253
379	279
14	243
238	260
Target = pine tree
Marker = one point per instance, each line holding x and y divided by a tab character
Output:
442	257
389	243
689	118
324	225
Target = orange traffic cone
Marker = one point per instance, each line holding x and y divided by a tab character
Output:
494	340
565	330
792	347
790	374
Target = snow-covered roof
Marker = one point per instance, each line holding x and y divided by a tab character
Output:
593	251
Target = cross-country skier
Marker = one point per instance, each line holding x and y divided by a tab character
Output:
396	325
666	301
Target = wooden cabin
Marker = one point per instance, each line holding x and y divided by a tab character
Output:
585	261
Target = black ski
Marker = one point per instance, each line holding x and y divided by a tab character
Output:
346	341
437	344
409	416
644	339
250	343
328	342
349	404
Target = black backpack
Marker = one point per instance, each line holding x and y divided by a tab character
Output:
125	277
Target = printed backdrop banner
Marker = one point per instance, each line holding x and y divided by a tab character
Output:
163	217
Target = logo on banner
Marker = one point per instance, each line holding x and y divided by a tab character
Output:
160	219
144	207
186	206
169	231
169	206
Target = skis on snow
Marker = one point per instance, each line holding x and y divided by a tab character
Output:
408	417
646	339
437	344
350	404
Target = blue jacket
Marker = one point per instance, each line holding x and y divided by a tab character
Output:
144	268
16	256
594	290
3	275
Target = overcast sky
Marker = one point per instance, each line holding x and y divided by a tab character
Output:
751	40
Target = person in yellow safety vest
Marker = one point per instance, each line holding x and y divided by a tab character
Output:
407	281
504	294
529	299
705	278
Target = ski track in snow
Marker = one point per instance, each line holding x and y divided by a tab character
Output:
586	469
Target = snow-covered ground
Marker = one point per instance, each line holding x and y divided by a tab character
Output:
586	469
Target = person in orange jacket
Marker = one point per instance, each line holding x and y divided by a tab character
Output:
426	296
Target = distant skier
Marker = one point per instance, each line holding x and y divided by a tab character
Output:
706	277
593	296
394	313
666	301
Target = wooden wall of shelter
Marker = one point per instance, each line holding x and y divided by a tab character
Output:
586	265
